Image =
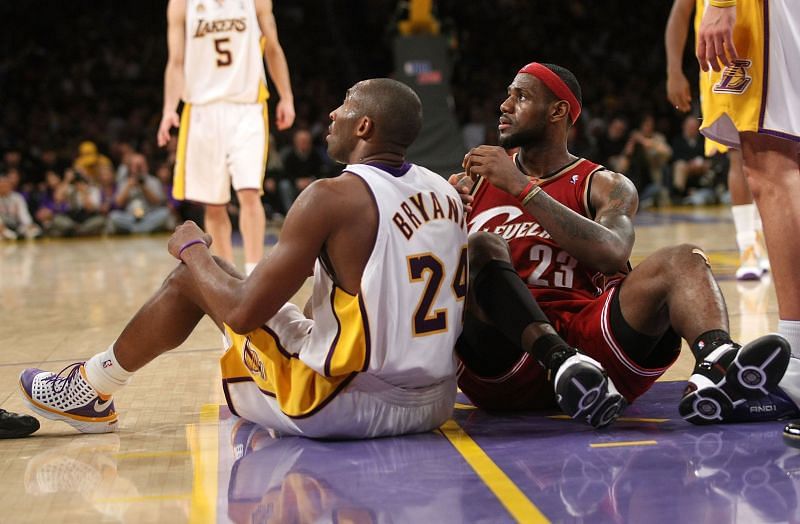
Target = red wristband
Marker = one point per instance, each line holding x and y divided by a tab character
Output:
527	189
190	244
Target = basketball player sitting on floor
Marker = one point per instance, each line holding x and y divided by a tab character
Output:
386	242
550	239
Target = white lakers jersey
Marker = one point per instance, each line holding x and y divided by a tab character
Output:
403	324
222	56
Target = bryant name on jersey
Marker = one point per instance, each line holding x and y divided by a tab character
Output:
421	208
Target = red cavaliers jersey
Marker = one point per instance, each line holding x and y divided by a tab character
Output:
552	274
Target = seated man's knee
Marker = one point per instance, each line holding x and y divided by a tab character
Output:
177	277
686	256
484	247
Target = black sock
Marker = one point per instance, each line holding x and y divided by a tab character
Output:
709	341
547	346
506	300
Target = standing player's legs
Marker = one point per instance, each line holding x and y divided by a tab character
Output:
253	225
745	220
201	172
218	225
675	288
248	145
771	167
82	398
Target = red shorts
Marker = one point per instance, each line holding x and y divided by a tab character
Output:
587	325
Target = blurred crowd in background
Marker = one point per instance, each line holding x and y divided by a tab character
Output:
82	87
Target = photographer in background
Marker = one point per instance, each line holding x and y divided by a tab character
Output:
141	202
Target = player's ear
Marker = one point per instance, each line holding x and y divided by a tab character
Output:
365	127
559	110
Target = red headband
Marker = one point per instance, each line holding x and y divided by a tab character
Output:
556	85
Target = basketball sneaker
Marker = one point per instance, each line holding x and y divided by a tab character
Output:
13	425
730	375
68	398
583	389
749	265
775	406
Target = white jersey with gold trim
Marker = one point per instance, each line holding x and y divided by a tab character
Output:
377	363
222	57
410	307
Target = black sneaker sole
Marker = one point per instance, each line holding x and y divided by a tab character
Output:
705	406
582	393
608	410
757	369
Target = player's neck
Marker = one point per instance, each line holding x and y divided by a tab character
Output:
539	162
386	157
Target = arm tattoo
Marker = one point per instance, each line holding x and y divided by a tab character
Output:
619	199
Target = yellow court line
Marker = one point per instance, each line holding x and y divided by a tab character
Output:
204	445
459	405
624	443
620	419
510	496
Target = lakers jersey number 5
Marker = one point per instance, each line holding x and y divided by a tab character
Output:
222	58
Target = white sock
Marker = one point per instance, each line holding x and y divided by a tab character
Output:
105	374
743	221
249	267
790	383
791	330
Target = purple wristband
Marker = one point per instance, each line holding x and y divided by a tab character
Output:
190	244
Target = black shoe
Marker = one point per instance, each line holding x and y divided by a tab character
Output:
16	426
731	375
584	391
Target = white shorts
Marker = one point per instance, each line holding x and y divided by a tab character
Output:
265	382
220	144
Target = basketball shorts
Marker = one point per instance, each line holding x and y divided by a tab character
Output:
219	145
266	382
760	91
600	332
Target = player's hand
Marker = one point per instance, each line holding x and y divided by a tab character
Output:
715	38
463	185
168	121
678	92
284	114
494	164
183	234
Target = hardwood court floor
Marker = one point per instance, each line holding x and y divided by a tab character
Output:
64	300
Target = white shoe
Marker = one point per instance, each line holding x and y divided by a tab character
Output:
749	265
68	398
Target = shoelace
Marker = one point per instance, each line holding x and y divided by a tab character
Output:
58	380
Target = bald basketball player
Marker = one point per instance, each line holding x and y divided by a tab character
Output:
386	244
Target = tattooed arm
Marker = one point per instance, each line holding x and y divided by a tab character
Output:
604	244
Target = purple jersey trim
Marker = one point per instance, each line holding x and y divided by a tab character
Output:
765	78
396	172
